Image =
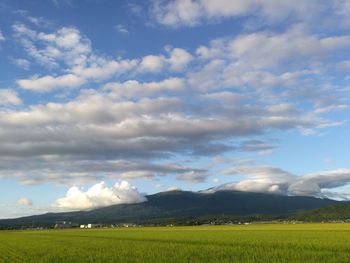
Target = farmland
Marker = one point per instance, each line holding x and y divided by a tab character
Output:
238	243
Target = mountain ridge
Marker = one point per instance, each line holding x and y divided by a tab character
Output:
175	206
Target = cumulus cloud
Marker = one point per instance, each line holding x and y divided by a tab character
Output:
49	49
176	59
152	63
266	179
24	201
68	48
99	195
102	69
9	97
48	83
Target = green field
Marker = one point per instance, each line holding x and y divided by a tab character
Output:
251	243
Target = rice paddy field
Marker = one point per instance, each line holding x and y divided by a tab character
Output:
241	243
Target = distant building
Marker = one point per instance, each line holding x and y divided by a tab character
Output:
129	225
65	224
90	226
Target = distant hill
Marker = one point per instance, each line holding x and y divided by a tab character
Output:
179	206
336	212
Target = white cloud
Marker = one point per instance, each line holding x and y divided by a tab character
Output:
135	8
9	97
152	63
121	29
177	13
140	122
268	179
102	69
179	59
261	50
22	63
49	49
66	42
182	104
99	195
172	188
47	83
312	184
216	180
37	21
133	88
78	77
2	38
331	108
68	49
71	52
24	201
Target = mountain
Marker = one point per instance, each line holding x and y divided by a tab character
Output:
182	206
336	212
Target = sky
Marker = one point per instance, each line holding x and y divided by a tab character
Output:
103	102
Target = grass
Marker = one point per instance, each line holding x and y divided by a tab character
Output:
252	243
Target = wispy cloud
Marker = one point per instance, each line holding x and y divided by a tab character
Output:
2	37
121	29
197	12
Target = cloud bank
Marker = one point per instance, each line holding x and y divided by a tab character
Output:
261	179
222	96
266	179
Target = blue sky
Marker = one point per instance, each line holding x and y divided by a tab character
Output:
102	102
